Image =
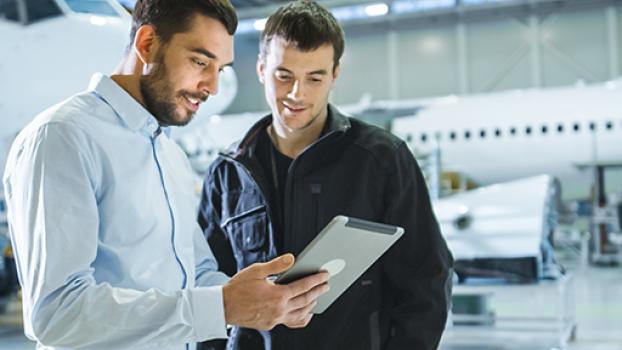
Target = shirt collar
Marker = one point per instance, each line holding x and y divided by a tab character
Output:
133	114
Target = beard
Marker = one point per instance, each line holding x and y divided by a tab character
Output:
159	97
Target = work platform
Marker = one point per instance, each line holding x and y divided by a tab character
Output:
515	316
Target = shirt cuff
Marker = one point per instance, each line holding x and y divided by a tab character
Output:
209	313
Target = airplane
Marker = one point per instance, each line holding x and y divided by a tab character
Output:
510	135
505	140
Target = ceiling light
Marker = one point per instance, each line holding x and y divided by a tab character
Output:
377	10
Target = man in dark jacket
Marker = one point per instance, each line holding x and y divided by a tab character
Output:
302	165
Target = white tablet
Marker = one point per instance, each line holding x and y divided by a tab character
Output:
345	248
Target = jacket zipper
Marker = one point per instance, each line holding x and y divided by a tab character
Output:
316	191
288	216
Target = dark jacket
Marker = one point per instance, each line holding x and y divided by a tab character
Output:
357	170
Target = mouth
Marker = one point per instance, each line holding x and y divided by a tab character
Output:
294	109
192	103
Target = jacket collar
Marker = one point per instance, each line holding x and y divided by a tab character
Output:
337	124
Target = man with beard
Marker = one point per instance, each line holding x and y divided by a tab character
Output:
101	208
302	165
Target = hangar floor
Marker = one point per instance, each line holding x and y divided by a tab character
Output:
598	302
598	312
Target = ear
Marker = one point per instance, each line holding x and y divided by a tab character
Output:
261	66
336	72
146	43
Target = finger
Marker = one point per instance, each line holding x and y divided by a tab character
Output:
303	323
309	297
302	319
304	285
275	266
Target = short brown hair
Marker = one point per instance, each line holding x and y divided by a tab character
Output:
306	24
174	16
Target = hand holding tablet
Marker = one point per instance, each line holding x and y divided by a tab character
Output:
345	248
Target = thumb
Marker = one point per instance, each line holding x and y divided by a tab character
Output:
277	265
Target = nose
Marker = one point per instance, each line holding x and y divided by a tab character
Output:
297	91
209	82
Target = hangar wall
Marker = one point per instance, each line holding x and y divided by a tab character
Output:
432	57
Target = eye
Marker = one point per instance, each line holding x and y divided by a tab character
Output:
198	62
282	76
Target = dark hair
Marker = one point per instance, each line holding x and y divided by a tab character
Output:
174	16
306	24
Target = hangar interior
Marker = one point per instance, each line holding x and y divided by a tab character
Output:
513	109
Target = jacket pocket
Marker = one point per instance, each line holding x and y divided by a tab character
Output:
248	229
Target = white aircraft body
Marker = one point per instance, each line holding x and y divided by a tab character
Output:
504	141
506	136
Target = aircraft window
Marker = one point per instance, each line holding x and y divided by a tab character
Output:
438	135
482	133
576	127
560	128
452	135
8	10
545	129
41	9
609	125
528	130
128	4
409	138
424	137
498	132
592	126
513	130
35	10
96	7
467	134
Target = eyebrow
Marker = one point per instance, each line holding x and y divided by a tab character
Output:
208	54
319	71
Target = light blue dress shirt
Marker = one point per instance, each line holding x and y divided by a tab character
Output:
102	218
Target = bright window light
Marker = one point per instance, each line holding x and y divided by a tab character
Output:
246	26
98	21
260	24
357	12
377	10
345	13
